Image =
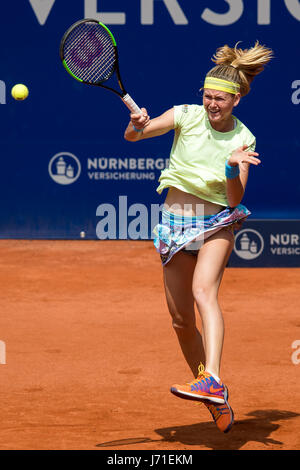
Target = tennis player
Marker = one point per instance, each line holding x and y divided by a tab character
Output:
206	180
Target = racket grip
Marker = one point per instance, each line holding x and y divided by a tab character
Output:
131	104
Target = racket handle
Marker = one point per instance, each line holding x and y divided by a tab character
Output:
131	104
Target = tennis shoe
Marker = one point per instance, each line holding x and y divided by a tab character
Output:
222	413
204	387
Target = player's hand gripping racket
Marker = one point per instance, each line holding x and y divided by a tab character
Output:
89	53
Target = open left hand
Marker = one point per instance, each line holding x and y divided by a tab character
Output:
240	155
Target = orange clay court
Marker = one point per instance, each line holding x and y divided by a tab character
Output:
91	353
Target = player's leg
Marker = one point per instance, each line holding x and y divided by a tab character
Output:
178	279
211	262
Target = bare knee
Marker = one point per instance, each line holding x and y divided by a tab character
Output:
184	325
204	296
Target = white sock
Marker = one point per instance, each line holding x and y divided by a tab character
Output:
214	376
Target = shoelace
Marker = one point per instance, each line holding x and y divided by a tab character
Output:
201	374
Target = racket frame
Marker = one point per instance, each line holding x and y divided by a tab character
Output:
126	98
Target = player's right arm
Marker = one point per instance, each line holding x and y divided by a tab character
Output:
150	127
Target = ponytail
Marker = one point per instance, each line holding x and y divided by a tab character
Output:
240	65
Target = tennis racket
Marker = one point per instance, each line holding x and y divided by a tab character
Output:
89	53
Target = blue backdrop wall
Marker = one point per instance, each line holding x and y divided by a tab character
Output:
165	48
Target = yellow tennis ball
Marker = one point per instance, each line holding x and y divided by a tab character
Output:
19	92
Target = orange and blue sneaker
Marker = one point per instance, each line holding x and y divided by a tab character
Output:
222	414
204	387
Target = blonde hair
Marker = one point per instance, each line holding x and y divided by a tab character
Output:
240	65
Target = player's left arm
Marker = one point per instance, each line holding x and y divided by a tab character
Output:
235	187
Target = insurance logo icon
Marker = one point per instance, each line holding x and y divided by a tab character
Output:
249	244
64	168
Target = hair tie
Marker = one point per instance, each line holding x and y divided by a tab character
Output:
234	66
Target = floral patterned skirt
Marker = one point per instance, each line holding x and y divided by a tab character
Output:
177	232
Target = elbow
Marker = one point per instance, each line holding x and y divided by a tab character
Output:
234	201
235	192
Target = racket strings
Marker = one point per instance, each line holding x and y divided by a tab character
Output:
108	61
90	61
83	49
89	53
